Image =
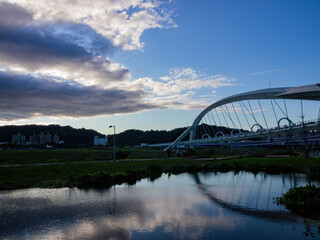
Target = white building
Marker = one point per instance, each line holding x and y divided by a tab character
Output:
100	141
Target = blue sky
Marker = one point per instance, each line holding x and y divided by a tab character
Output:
147	64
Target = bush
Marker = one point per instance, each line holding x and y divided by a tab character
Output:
96	180
189	152
301	199
176	169
315	173
155	171
122	155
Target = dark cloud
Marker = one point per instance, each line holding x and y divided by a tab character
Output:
66	50
48	44
75	49
62	46
24	96
12	15
34	46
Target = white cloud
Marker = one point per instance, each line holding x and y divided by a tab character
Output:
64	46
181	88
268	71
122	22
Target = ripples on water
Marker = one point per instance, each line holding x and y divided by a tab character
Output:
200	206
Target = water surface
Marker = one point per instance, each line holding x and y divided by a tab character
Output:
186	206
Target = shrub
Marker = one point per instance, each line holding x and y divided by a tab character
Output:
122	155
176	169
96	180
189	152
301	199
155	171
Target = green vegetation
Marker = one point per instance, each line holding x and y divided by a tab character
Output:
127	171
73	155
303	200
67	175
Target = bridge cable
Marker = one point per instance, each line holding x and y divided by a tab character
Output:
217	128
274	112
269	194
236	115
285	105
253	113
199	132
222	112
228	114
211	125
224	117
280	108
207	128
265	121
244	114
202	130
219	120
204	123
302	112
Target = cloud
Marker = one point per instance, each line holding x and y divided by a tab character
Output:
60	49
122	22
179	89
269	71
25	96
12	15
55	60
74	40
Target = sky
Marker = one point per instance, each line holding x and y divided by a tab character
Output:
147	64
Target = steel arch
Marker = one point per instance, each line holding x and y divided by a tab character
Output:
307	92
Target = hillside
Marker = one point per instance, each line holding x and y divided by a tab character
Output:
71	136
84	137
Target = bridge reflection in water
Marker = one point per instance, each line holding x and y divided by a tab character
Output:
253	196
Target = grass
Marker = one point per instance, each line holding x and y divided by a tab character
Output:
63	175
69	155
67	174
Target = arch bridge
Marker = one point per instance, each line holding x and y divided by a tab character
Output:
264	115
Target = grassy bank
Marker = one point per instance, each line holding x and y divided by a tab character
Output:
68	175
72	155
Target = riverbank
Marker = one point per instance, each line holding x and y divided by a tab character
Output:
130	171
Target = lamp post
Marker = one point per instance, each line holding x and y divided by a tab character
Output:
114	141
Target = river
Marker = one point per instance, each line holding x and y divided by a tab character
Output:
186	206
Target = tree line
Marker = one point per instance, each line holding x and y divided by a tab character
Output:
84	137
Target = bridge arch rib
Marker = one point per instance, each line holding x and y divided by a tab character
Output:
303	92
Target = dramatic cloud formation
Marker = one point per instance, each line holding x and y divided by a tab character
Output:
71	51
55	60
121	21
27	96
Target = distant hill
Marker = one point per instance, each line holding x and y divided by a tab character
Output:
71	136
136	137
84	137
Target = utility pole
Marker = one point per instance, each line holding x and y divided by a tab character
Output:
114	141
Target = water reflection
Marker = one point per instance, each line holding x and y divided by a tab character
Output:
201	206
248	209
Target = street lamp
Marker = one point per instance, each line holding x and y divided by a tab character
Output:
114	141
